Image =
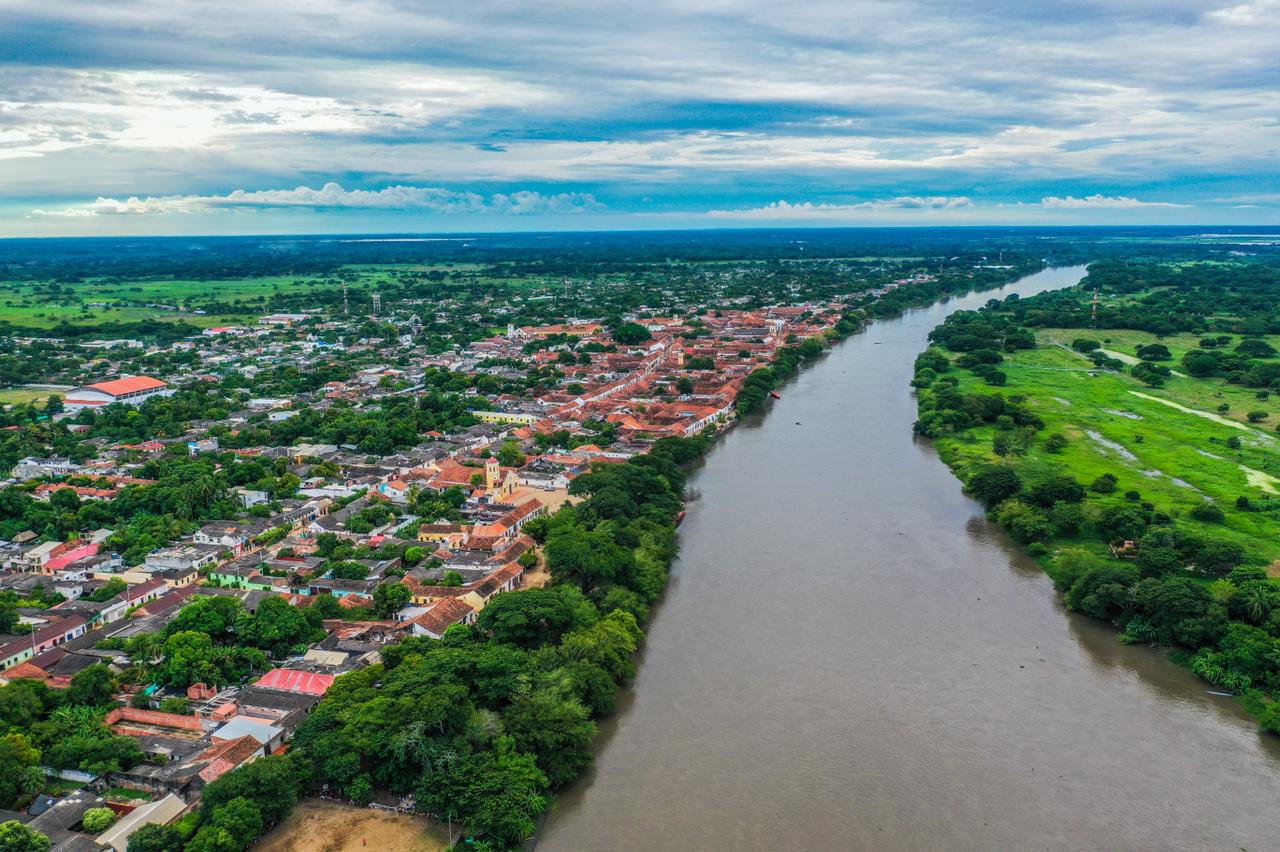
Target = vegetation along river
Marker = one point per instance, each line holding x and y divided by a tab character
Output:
850	656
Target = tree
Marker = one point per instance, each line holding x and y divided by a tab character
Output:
1208	513
1105	484
631	334
17	754
390	598
16	837
557	730
1056	489
1218	556
509	455
1154	352
214	838
1119	523
994	484
270	783
1026	523
95	686
156	838
276	627
497	793
588	558
532	617
1103	592
97	820
214	616
240	817
189	657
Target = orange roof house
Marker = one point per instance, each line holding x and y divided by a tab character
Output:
129	390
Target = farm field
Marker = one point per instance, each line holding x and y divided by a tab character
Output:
1174	458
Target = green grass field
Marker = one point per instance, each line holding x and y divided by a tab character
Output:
43	304
18	396
1174	458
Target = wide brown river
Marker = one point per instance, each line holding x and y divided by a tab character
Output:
850	656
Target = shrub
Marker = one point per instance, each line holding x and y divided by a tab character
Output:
1105	484
1208	513
97	820
1025	523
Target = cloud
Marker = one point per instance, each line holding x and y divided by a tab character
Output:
333	196
809	210
696	106
1070	202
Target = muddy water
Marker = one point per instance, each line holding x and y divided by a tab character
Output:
851	657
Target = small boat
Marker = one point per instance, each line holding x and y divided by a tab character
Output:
1223	694
775	394
679	518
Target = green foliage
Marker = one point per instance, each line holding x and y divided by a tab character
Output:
390	598
156	838
16	837
97	820
993	485
94	685
631	334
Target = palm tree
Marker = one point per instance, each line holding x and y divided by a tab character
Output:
1256	601
32	780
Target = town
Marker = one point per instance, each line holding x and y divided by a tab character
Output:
215	528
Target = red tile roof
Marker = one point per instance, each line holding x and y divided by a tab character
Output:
228	755
443	615
292	680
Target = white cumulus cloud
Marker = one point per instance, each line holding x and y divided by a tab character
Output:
334	196
809	210
1070	202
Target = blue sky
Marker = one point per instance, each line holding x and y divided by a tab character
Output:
203	116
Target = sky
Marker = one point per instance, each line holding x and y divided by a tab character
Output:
342	116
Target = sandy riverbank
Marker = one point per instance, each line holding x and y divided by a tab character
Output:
320	826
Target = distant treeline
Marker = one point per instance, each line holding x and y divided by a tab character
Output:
213	258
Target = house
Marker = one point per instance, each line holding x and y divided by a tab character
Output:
229	535
130	390
441	616
34	468
226	755
23	648
185	558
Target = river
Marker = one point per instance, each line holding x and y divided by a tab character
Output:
850	656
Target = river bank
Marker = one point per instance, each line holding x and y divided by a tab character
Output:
850	656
